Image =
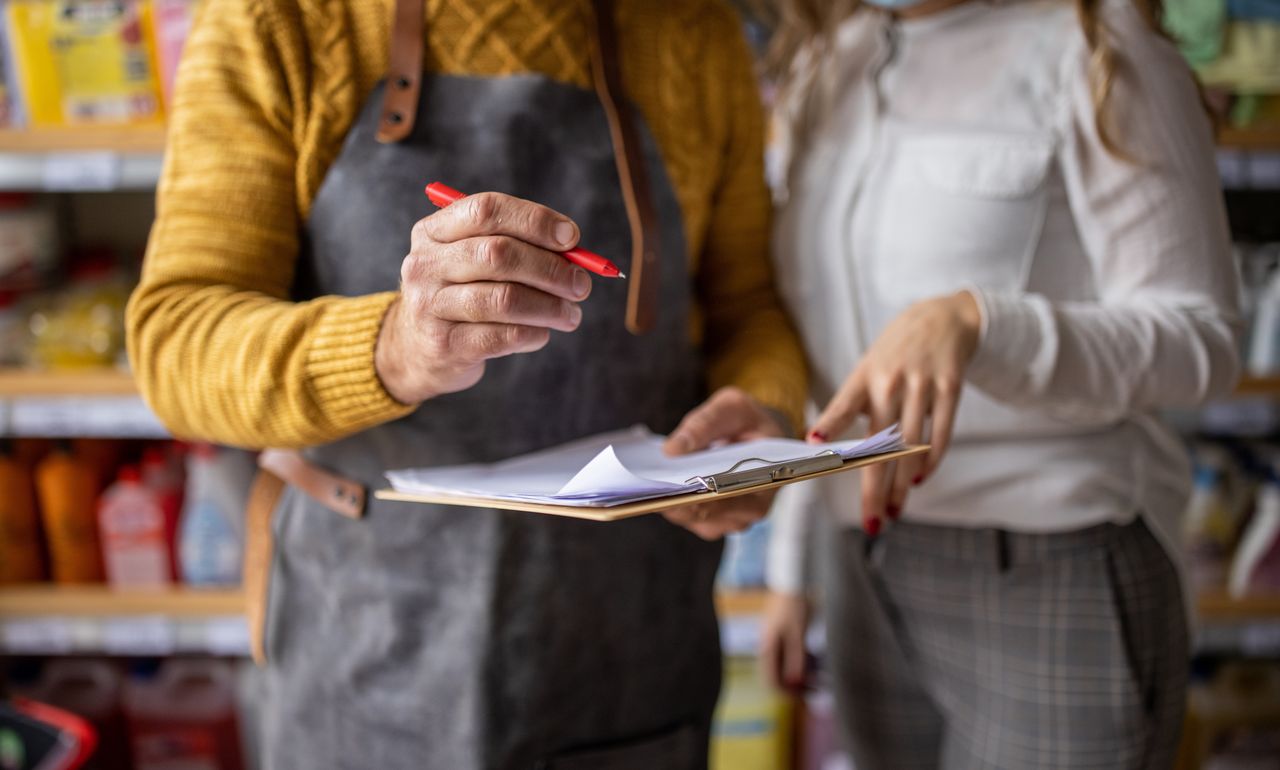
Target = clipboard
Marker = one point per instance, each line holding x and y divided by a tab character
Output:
732	482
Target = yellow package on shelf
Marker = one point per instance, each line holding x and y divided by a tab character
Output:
752	728
85	61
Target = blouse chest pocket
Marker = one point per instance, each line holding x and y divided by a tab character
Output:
953	211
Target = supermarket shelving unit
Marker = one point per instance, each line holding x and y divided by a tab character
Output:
48	620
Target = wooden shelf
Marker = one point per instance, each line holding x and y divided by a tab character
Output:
87	382
739	602
1260	139
1259	386
1222	607
124	139
103	601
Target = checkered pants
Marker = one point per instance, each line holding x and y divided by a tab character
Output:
962	648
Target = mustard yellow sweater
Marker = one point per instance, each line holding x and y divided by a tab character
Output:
266	92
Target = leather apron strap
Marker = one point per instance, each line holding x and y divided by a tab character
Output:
258	550
642	296
404	72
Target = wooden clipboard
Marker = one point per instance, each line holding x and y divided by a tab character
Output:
628	510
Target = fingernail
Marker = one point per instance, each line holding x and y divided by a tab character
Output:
871	525
565	232
581	283
817	435
918	480
575	315
894	512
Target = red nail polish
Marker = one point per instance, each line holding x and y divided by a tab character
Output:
819	435
872	525
894	512
918	480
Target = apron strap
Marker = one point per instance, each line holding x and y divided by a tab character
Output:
404	77
633	173
400	108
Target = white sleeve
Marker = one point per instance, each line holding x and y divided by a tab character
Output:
1162	332
788	562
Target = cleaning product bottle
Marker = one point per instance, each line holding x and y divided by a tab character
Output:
183	716
211	537
92	689
20	557
134	540
1209	530
66	489
1256	568
162	473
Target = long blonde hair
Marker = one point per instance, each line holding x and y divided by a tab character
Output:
811	23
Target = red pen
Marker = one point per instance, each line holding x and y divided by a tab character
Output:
442	195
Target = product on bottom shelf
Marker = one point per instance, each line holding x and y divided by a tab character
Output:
752	728
182	715
1256	567
92	689
20	539
135	539
212	531
1211	525
84	62
67	488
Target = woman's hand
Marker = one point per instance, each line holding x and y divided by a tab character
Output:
782	650
911	374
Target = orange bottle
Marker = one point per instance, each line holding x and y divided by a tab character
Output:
20	557
67	487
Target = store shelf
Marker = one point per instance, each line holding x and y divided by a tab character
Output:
1258	386
81	159
86	382
739	602
1257	139
64	620
92	403
1220	607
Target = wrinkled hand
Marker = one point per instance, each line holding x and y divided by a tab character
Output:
482	280
912	374
729	415
782	648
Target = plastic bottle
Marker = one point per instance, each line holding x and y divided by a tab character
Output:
211	536
163	475
66	488
135	544
183	716
1264	341
92	689
20	550
1256	568
1210	530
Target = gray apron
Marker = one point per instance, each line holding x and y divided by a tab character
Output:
454	638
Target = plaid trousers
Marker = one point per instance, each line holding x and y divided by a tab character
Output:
965	648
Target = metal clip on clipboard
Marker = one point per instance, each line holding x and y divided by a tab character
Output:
771	471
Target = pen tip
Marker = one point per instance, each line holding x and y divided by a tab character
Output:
621	274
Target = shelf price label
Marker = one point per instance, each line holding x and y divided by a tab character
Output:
138	636
99	416
81	171
40	636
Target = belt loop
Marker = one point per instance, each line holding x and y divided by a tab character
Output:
1004	559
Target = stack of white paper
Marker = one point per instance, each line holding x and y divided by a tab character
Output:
614	468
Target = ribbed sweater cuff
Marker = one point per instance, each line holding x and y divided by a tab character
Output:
340	365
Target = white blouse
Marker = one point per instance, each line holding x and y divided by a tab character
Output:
959	150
